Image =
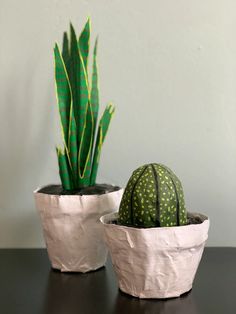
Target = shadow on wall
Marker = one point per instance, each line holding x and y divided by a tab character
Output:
25	133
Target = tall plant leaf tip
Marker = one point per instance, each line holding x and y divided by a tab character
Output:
111	108
65	38
84	43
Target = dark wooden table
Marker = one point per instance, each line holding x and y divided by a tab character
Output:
28	285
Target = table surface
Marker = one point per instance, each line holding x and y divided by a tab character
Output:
29	285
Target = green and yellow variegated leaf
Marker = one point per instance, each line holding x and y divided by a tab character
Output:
68	121
79	85
64	170
73	147
102	131
94	89
64	97
85	151
66	52
84	43
75	69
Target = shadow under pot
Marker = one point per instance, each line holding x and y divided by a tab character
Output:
156	262
71	226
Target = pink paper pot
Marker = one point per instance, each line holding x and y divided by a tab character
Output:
155	262
72	230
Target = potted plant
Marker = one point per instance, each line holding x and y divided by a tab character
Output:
70	212
155	245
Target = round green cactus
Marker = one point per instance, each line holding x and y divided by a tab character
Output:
153	197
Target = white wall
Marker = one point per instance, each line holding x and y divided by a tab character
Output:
169	66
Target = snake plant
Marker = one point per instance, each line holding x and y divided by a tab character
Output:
153	197
78	103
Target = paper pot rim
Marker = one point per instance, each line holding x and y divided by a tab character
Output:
108	219
36	191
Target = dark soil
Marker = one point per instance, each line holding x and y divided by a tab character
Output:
193	219
97	189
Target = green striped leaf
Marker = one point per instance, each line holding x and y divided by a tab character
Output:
84	43
64	169
68	120
63	91
85	151
79	85
66	52
102	131
73	147
75	69
94	88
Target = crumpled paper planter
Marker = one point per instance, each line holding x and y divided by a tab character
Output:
72	230
155	262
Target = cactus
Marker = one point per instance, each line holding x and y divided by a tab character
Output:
78	105
153	197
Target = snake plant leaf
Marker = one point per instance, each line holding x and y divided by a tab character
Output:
75	69
85	151
63	91
73	146
64	169
67	116
102	131
94	88
84	43
79	85
66	52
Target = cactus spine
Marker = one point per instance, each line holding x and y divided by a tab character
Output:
78	108
153	197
